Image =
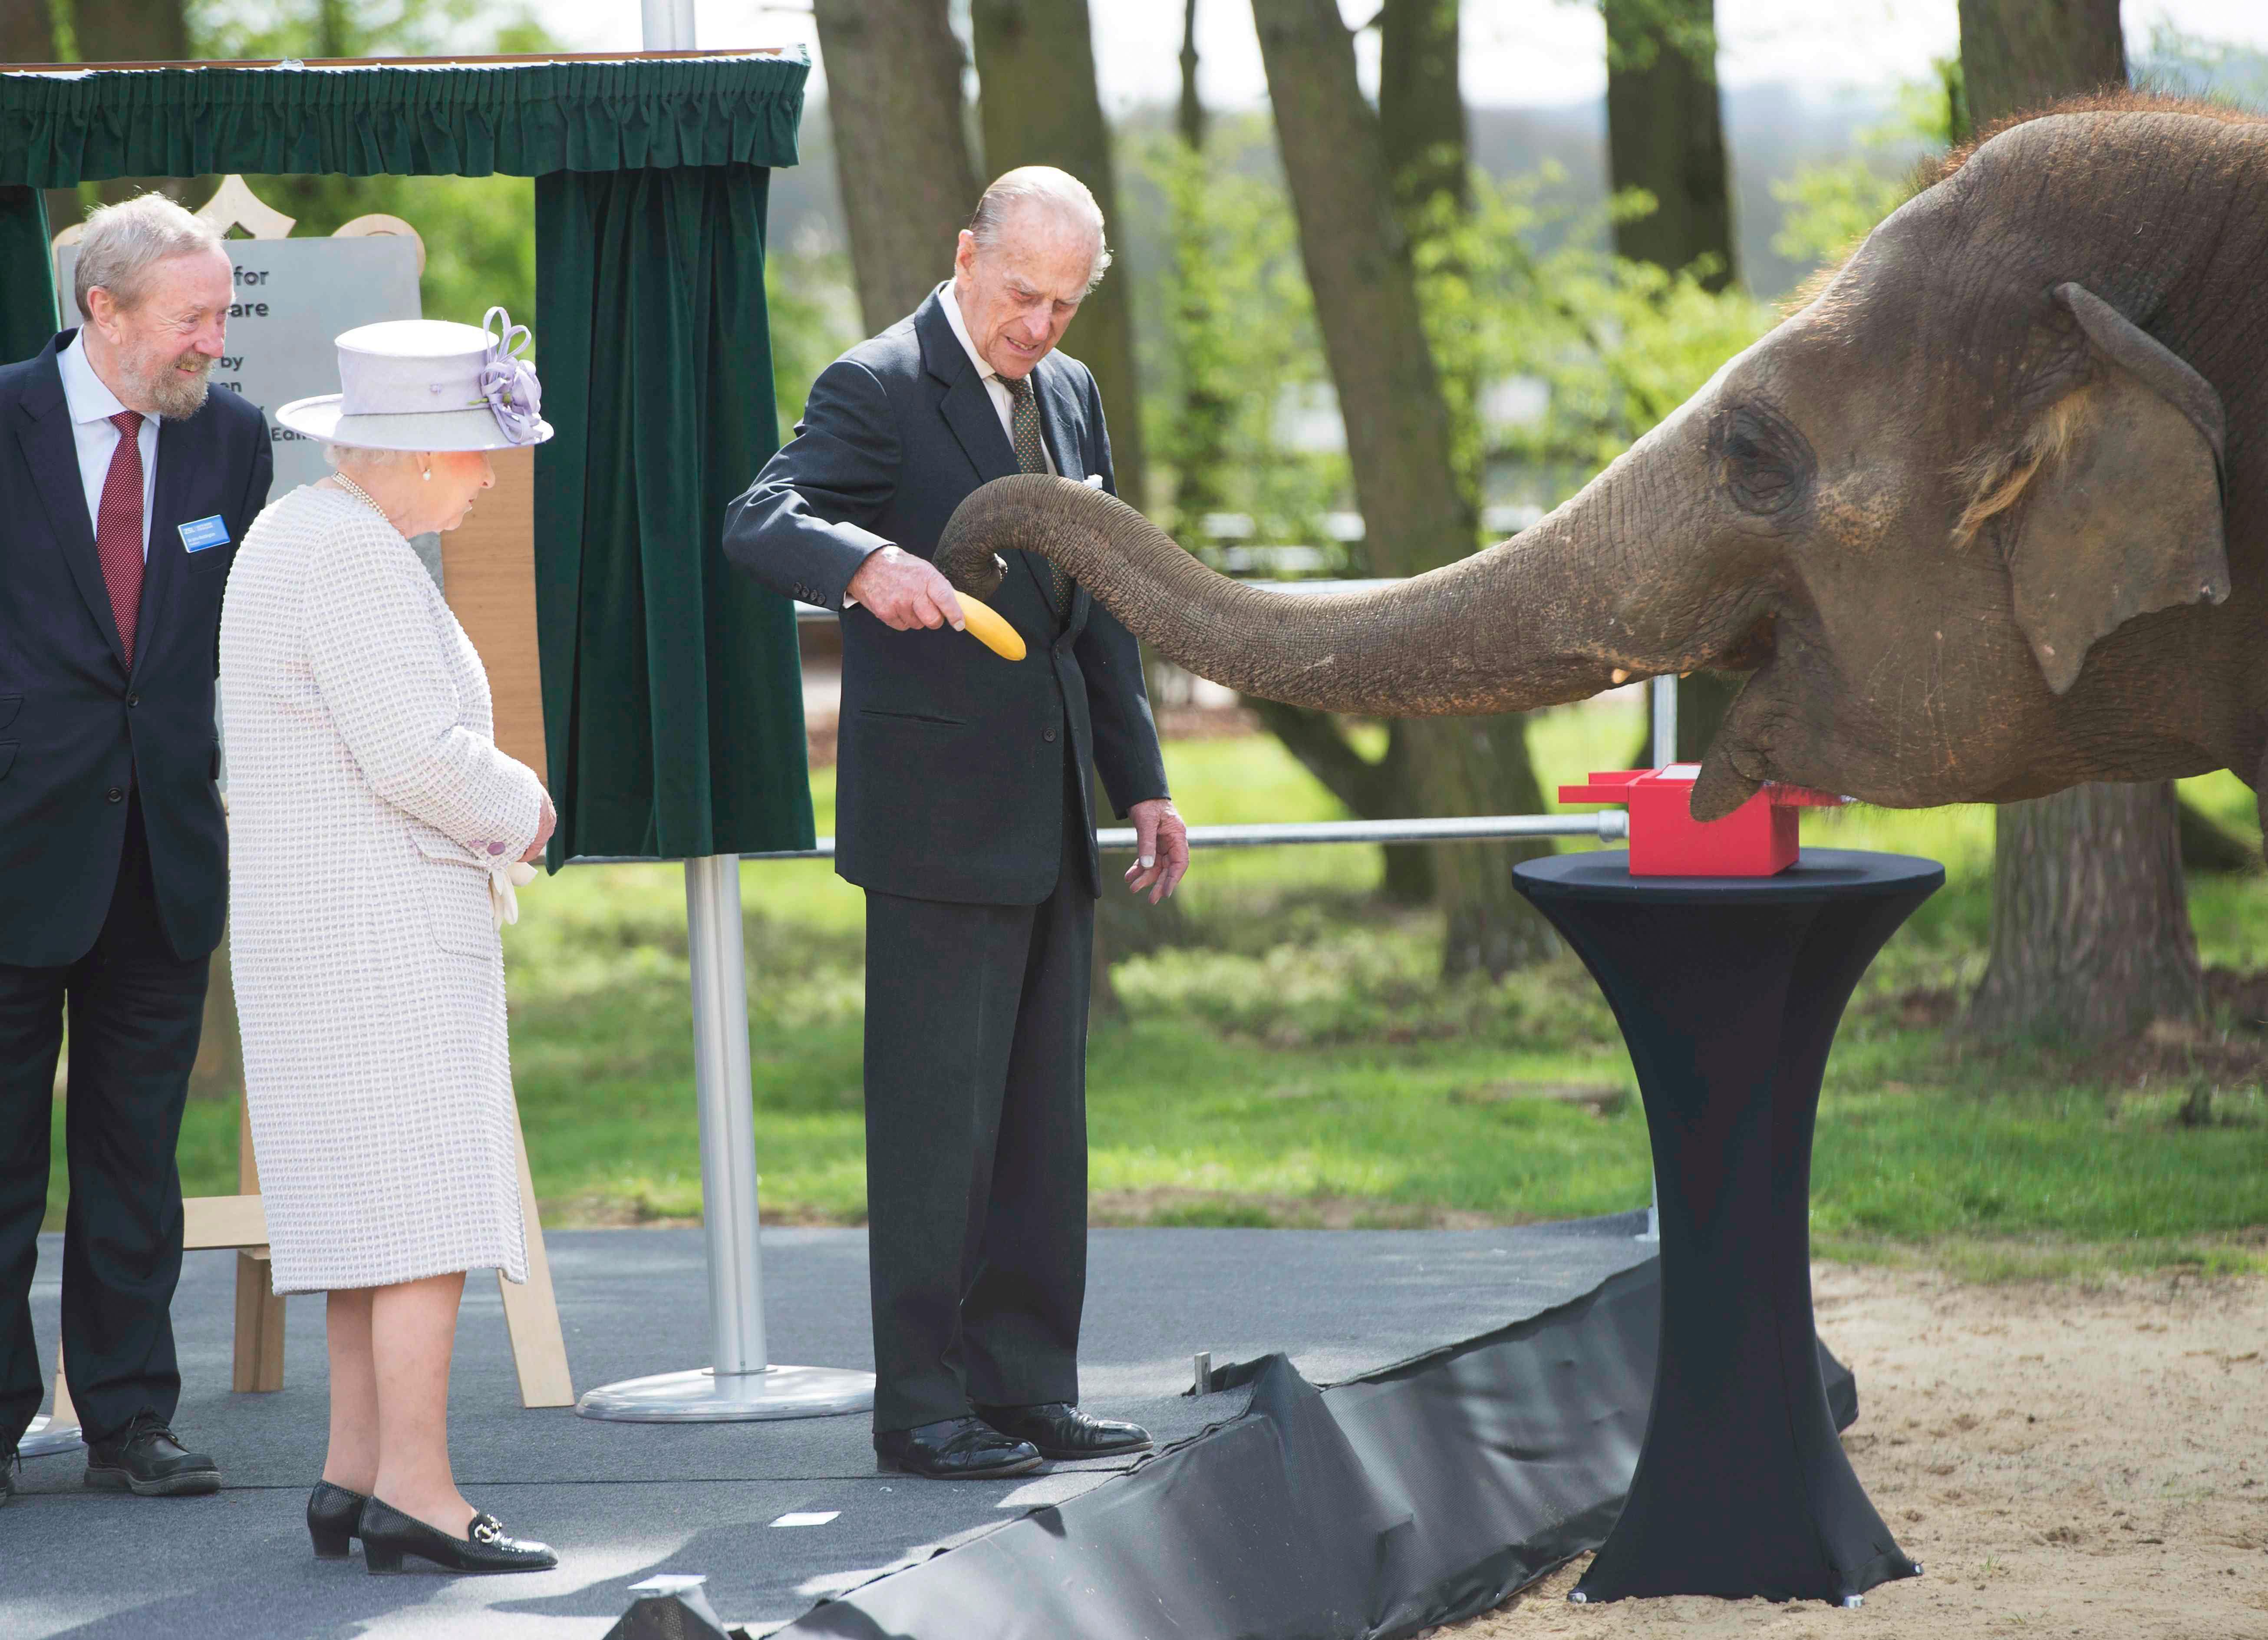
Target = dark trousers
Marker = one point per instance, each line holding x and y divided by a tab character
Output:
976	1147
135	1009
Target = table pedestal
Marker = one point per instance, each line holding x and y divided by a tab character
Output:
1729	991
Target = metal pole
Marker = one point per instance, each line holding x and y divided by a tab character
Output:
1664	694
669	25
741	1385
722	1092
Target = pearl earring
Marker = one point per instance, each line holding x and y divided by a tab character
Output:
427	474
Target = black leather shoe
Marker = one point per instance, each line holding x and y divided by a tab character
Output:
333	1514
1062	1432
387	1534
145	1459
954	1449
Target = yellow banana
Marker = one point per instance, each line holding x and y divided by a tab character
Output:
986	627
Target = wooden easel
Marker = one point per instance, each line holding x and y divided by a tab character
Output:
488	569
531	1312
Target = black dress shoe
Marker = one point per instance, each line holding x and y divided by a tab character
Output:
145	1459
1062	1432
954	1449
387	1534
333	1514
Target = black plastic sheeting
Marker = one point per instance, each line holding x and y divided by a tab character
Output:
1420	1494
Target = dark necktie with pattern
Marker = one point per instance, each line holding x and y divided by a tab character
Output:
118	529
1031	457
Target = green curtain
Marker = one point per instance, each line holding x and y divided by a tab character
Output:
684	708
673	700
27	305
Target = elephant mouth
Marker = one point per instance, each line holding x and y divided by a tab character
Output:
1738	763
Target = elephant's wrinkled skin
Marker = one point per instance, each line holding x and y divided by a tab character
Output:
1964	513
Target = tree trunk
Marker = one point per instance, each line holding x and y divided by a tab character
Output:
1399	437
901	145
1421	107
128	30
27	35
1038	105
2207	848
1666	134
1421	124
2090	929
135	30
1190	119
2019	54
2090	923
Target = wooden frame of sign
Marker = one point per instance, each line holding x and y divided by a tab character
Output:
488	576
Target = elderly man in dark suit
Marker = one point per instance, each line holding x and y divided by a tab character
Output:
963	810
124	489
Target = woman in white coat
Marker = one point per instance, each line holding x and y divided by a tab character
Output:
374	830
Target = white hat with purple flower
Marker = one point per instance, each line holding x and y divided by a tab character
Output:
427	384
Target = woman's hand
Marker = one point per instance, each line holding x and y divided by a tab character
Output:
543	832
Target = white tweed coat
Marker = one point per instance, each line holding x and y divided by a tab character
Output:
367	801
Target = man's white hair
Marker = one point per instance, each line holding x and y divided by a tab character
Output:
124	242
1057	192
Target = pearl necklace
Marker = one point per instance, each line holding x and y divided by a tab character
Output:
359	494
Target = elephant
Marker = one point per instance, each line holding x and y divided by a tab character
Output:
1983	519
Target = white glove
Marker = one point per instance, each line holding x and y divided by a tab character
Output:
504	881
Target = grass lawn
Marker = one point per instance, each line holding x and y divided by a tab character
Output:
1296	1061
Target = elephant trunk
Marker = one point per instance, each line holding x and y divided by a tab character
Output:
1532	622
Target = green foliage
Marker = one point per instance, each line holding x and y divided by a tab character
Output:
1240	327
1619	343
807	296
2188	65
1830	208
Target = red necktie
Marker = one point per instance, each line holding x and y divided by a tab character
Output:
118	528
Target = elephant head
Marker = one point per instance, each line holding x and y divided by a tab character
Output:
1933	512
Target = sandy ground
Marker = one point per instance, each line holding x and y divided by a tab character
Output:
2061	1459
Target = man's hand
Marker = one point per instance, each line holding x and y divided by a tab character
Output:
905	592
543	831
1162	848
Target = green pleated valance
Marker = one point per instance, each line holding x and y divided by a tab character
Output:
58	129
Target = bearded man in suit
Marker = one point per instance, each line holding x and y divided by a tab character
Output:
963	810
124	488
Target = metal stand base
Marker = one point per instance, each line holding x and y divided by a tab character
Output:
702	1397
44	1439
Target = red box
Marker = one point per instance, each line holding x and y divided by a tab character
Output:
1758	839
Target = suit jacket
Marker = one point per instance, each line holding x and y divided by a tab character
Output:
77	729
952	782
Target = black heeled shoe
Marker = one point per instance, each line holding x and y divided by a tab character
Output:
387	1534
332	1513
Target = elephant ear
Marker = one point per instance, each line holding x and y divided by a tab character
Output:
2120	491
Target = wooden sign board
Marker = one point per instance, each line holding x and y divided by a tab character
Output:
488	575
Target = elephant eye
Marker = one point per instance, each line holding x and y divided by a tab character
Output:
1760	459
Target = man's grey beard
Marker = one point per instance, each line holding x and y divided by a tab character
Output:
177	397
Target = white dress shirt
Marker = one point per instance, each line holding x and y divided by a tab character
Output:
993	384
91	405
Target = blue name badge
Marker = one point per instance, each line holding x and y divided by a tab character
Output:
205	532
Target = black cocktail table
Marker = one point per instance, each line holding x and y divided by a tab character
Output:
1728	991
